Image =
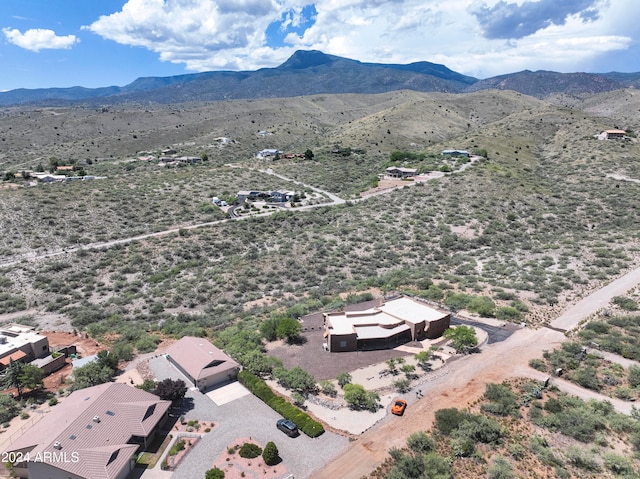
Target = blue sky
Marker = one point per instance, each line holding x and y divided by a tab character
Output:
92	43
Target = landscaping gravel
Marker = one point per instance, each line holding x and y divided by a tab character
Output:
246	417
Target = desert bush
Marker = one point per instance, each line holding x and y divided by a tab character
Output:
500	469
343	379
249	450
582	459
214	473
625	303
328	388
619	465
420	442
502	401
270	455
538	364
358	398
402	385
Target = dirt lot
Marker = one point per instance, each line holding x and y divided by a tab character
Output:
85	346
321	364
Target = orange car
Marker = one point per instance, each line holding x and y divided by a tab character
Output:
398	407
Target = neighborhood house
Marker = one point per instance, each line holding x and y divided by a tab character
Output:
204	365
21	343
399	172
95	433
456	153
278	196
395	322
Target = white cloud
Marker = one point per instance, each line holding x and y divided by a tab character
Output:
209	35
39	39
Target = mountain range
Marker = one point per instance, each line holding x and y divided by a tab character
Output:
309	72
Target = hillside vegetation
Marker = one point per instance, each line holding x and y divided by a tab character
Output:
533	225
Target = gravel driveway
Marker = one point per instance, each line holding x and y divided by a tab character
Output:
246	417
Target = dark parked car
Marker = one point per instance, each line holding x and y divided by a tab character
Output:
288	427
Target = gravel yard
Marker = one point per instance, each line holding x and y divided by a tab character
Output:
246	417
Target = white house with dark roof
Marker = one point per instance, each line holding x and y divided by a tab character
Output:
202	363
94	433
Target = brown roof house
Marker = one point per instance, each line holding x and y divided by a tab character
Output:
395	322
202	363
95	433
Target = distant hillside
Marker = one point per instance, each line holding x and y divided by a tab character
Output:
540	84
314	72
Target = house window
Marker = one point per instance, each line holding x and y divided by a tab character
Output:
343	344
44	348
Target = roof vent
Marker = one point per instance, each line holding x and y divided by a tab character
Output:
96	419
57	445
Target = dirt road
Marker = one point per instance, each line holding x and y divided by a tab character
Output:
464	384
467	380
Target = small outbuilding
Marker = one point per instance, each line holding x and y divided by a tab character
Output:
202	363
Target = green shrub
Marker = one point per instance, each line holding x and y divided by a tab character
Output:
270	455
500	469
260	389
214	473
625	303
249	450
538	364
420	442
503	401
619	465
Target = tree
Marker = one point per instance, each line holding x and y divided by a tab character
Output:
258	363
123	351
9	408
31	377
170	389
296	379
424	358
289	329
269	329
270	454
462	337
107	359
308	154
357	397
147	385
91	374
12	376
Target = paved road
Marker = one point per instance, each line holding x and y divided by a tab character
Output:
495	333
597	300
